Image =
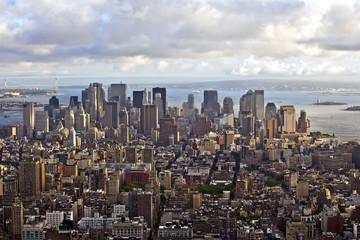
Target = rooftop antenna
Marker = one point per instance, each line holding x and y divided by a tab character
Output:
5	84
56	84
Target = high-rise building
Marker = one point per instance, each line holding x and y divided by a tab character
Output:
124	134
228	106
191	105
149	118
162	91
159	103
147	155
303	123
288	119
270	110
251	103
69	118
17	218
131	154
138	99
123	116
30	176
202	126
111	118
117	92
168	129
42	121
80	123
28	119
93	99
74	102
210	106
54	102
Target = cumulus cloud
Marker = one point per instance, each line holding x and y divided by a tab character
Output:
282	37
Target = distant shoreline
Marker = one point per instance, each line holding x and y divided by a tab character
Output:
329	103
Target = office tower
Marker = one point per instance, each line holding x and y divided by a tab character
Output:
54	102
17	218
191	104
202	126
162	91
271	126
259	103
72	137
146	207
252	102
248	125
138	99
184	109
29	180
69	118
147	155
303	123
168	129
149	118
229	138
117	92
93	99
112	189
270	110
118	154
145	100
111	117
129	104
80	123
28	119
131	154
159	103
42	121
228	106
74	102
287	119
124	134
149	98
211	107
123	116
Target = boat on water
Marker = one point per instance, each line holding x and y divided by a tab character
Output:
7	116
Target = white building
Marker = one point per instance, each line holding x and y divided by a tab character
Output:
54	218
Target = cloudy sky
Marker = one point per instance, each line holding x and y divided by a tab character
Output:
195	38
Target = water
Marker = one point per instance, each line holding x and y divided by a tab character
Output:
327	119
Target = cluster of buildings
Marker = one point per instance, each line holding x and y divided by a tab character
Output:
136	168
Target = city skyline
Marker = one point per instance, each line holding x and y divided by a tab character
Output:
225	40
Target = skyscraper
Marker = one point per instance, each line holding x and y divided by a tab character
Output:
270	110
117	92
29	179
74	101
54	102
80	123
149	118
303	123
168	129
288	119
228	106
252	103
191	104
159	103
93	99
111	118
17	218
211	106
162	91
28	119
42	121
69	118
138	99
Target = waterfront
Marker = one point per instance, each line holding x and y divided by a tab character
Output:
327	119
